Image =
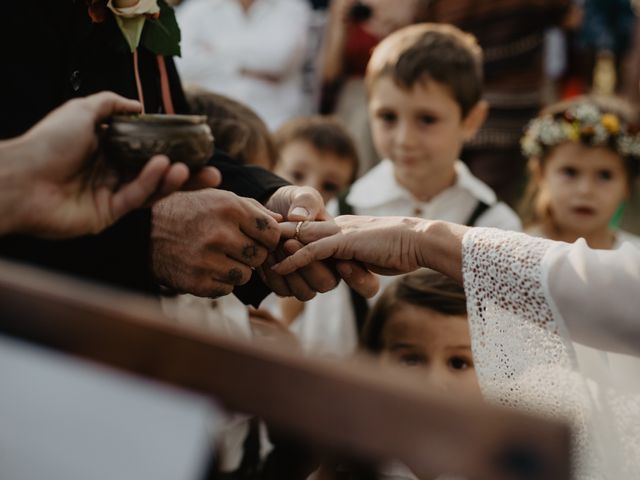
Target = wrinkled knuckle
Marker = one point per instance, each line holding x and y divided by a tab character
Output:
219	238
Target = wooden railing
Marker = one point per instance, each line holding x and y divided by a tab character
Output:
350	407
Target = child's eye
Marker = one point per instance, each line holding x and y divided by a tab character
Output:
605	175
569	172
298	177
387	116
330	187
427	119
460	363
412	359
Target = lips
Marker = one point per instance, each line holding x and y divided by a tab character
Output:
405	160
586	211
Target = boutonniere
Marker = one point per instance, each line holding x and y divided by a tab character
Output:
150	23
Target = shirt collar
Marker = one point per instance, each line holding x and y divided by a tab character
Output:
467	181
379	187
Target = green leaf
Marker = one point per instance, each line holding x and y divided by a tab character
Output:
162	36
131	28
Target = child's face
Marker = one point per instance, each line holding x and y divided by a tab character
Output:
584	186
420	130
302	164
436	345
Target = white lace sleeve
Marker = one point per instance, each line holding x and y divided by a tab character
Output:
524	357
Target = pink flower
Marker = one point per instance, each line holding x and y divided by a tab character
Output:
132	8
97	10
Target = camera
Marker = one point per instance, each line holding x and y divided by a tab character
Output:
360	12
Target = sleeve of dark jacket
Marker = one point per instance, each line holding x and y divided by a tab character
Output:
66	56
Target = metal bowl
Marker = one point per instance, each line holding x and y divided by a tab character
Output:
130	141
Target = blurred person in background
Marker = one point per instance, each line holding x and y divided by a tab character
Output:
249	50
602	42
511	34
354	28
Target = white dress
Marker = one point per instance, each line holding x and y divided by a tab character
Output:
531	301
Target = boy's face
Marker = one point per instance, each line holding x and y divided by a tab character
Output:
437	346
302	164
421	130
584	186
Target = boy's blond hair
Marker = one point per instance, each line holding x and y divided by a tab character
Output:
430	51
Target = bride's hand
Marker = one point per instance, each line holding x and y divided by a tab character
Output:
386	245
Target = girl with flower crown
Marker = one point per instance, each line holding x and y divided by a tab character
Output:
583	159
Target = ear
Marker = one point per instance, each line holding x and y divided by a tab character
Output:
474	119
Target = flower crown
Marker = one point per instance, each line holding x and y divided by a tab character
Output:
584	123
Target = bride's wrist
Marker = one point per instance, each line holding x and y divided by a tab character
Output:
439	246
423	239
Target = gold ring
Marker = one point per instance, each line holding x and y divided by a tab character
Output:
298	227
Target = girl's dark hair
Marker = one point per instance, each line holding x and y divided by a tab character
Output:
423	288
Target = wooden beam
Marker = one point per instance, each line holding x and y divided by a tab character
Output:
350	407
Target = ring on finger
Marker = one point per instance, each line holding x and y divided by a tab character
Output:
298	227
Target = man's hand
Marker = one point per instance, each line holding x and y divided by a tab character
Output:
60	187
207	242
301	204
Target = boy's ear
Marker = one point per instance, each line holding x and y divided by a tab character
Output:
474	119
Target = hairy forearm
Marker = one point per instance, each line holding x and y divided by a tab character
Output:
440	247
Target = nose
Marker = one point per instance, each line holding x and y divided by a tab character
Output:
436	380
405	134
585	185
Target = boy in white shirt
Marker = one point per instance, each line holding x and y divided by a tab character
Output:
424	85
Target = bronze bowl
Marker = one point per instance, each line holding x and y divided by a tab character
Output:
131	140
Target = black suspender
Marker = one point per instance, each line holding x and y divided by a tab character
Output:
480	209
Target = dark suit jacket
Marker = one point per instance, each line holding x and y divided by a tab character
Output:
52	52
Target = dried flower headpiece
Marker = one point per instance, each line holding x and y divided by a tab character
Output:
585	123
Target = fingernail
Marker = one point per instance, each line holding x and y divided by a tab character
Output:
300	212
